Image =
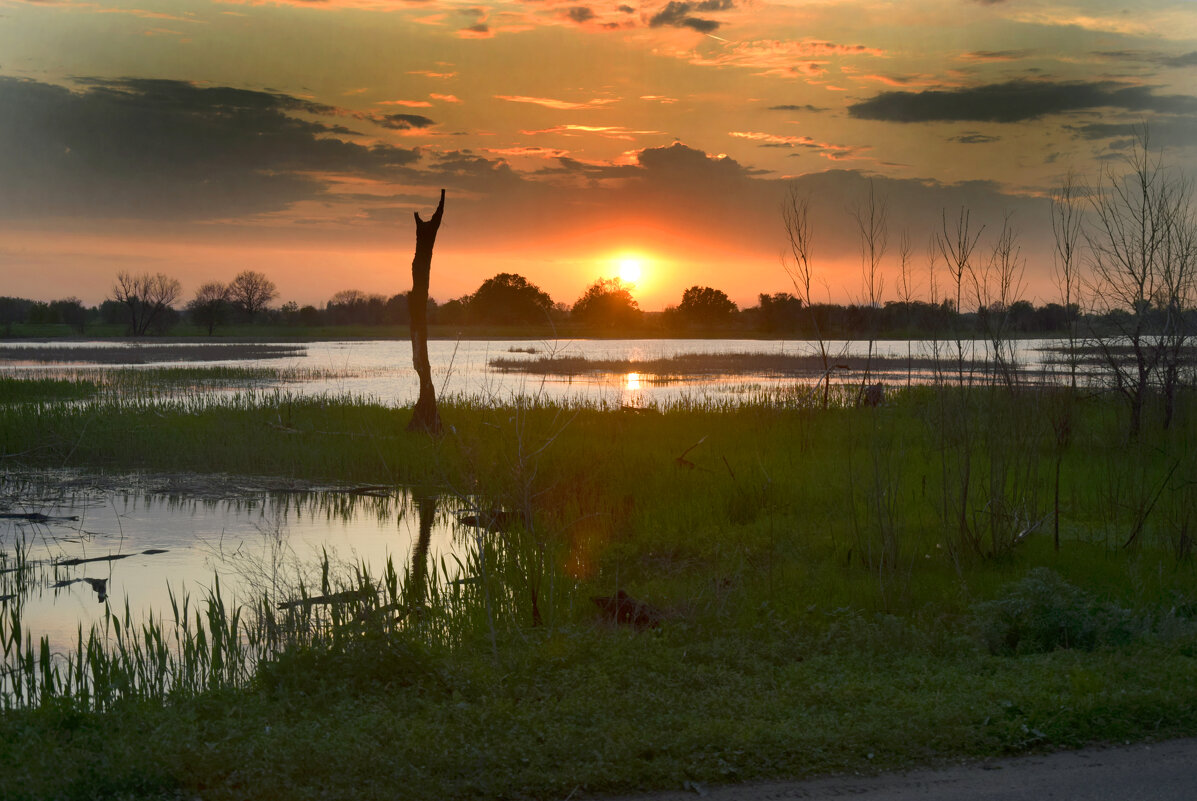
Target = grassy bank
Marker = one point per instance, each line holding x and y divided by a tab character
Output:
837	589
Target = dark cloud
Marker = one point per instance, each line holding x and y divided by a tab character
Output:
1177	132
481	28
167	149
997	55
1183	60
580	14
627	9
677	15
404	122
677	160
1015	101
806	107
1168	60
973	138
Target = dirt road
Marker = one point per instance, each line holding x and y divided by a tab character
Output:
1152	772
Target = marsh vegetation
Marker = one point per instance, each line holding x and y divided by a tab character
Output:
962	570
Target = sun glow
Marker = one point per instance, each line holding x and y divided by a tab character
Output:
631	268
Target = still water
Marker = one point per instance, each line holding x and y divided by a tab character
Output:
115	542
382	369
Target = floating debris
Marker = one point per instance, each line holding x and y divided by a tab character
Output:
38	517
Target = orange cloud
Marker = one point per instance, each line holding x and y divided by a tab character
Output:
444	98
431	74
825	149
898	80
533	150
548	102
785	58
478	31
407	103
608	131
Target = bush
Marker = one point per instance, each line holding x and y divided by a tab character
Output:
1042	612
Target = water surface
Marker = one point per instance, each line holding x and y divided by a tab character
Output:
382	369
87	546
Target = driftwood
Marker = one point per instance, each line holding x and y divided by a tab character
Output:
100	586
37	517
623	608
424	417
682	461
324	600
109	558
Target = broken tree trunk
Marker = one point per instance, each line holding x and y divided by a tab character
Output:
424	416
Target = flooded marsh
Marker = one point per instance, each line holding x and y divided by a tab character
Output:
72	543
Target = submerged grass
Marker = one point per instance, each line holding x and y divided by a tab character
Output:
24	390
839	589
142	352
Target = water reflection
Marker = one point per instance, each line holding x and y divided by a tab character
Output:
66	553
381	369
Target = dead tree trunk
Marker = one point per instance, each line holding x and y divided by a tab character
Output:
424	417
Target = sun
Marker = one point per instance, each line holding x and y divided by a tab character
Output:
631	268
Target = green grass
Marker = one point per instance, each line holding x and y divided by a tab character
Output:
22	390
836	597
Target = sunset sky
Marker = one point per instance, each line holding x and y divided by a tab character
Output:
296	138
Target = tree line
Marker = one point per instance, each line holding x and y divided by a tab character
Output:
149	304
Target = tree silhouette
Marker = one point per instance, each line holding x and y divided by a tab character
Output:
208	306
704	306
509	299
607	303
354	307
146	298
251	291
1143	256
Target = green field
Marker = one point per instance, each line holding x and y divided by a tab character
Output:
957	573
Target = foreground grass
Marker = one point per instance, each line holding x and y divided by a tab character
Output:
588	711
826	576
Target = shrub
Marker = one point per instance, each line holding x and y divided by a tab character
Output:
1042	612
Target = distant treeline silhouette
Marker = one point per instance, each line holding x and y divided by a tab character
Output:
607	306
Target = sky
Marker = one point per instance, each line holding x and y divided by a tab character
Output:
574	139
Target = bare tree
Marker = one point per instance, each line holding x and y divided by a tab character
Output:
1067	225
424	416
957	245
906	291
146	298
208	306
795	217
1179	291
872	223
1140	252
251	291
996	285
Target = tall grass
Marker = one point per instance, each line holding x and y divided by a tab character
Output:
212	644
